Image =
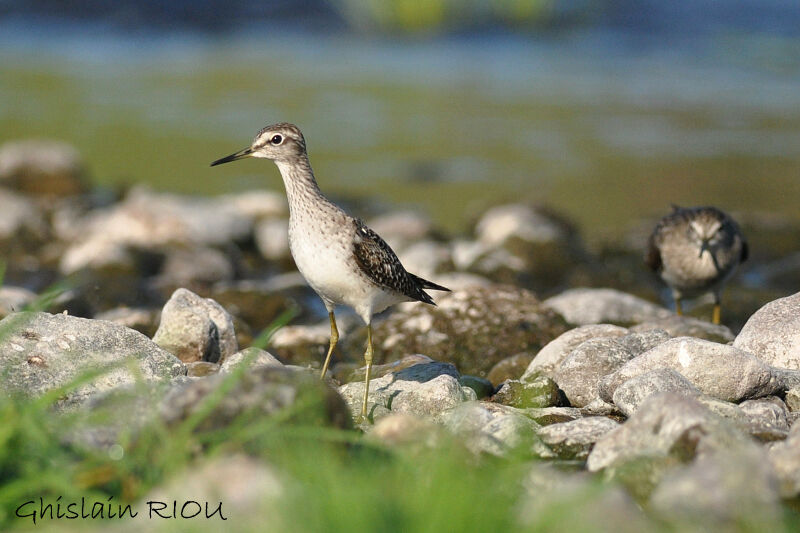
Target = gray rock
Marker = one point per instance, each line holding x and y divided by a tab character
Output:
549	357
557	500
424	390
630	395
196	329
553	415
665	425
574	439
150	221
793	399
142	320
541	392
686	326
472	328
42	167
721	371
14	299
401	228
604	306
272	239
253	396
773	333
195	266
768	418
427	259
489	427
521	245
40	352
720	492
247	489
201	369
579	374
257	204
254	356
784	457
403	430
20	220
519	221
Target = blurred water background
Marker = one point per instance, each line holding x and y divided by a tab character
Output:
606	111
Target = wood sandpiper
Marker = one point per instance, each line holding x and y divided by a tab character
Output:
344	261
695	250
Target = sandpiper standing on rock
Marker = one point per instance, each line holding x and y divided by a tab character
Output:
344	261
695	250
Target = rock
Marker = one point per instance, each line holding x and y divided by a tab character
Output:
509	368
292	396
768	418
483	387
686	326
242	487
549	357
253	356
553	415
148	221
666	425
541	392
40	352
630	395
579	374
773	333
196	329
473	328
403	430
490	428
784	457
200	369
14	299
558	500
141	319
260	302
359	373
604	306
574	439
721	371
423	390
722	491
272	240
793	399
42	167
519	221
401	228
22	224
195	267
428	259
257	204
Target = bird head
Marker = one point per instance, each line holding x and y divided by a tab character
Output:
282	142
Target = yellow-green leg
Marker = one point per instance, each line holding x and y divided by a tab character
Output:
368	360
334	340
678	308
717	316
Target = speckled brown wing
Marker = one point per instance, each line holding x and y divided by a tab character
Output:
380	264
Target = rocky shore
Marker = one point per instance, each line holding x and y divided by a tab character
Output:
547	346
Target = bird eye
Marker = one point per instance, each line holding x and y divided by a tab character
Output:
276	140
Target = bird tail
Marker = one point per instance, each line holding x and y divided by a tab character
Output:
425	284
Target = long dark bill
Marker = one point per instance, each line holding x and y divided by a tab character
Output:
241	154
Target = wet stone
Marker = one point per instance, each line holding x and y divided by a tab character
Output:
541	392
